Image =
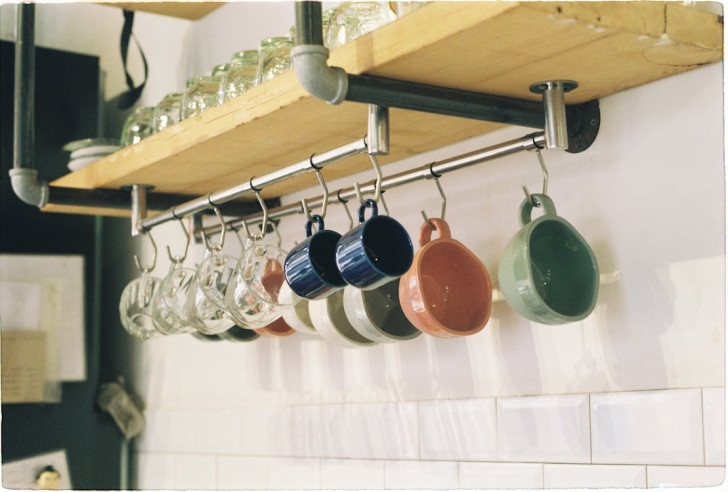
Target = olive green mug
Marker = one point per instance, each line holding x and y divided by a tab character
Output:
548	272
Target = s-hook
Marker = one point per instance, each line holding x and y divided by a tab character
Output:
346	208
264	222
324	199
180	258
147	268
216	247
545	186
436	177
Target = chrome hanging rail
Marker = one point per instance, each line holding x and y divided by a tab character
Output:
429	171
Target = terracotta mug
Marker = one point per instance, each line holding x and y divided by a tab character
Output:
276	328
447	292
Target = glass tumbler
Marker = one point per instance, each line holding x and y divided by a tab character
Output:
167	112
252	296
136	307
354	19
202	92
274	58
137	126
240	76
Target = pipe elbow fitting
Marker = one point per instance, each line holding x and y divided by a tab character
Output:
26	186
316	76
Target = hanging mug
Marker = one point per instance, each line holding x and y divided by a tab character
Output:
447	292
310	267
375	252
548	272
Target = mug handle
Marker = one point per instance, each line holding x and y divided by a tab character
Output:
368	203
439	225
526	207
319	222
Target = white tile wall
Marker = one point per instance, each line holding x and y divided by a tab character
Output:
265	431
501	475
321	430
685	476
544	429
294	473
167	430
434	475
648	427
384	431
153	471
242	473
463	430
594	476
217	431
714	425
352	474
195	472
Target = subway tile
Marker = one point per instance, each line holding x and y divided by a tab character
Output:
242	473
217	431
685	476
153	471
544	429
714	425
501	475
352	474
647	427
167	430
384	431
194	472
265	431
433	475
594	476
320	431
293	473
458	430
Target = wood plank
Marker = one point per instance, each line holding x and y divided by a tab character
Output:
492	47
189	10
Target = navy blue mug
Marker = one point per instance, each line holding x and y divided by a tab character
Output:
375	252
310	267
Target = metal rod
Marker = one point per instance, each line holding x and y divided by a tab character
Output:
378	129
200	204
428	171
138	208
24	87
554	107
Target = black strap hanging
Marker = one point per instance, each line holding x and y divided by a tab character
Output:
128	98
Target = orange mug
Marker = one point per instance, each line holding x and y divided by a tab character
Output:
447	292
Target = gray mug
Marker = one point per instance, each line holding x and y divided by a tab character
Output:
548	273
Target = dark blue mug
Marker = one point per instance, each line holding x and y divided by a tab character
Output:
310	267
375	252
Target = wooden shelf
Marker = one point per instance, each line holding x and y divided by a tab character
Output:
492	47
180	9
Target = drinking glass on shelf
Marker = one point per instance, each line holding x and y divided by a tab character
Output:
354	19
167	112
202	92
240	76
137	126
274	58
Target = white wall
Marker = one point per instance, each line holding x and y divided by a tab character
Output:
632	396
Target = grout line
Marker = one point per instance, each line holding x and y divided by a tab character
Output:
543	475
702	420
591	438
645	476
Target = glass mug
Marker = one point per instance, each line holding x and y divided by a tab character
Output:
354	19
135	307
169	301
205	308
202	92
167	112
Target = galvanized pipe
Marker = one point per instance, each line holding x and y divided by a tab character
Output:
216	198
428	171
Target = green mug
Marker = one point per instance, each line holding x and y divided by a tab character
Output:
548	272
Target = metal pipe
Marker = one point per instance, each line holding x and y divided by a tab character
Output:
554	108
200	204
24	101
428	171
138	208
378	129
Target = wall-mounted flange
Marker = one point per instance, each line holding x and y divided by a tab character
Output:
583	122
554	108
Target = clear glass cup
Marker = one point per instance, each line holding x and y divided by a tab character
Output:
137	126
167	112
168	310
205	306
354	19
252	297
274	58
202	92
240	76
136	307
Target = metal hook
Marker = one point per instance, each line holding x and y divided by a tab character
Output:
545	185
181	258
378	182
147	268
444	199
384	203
223	228
357	190
346	209
278	234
